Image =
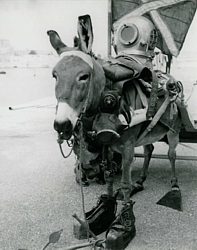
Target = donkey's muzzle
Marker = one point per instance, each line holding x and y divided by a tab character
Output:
64	129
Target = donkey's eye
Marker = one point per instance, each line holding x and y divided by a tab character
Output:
83	77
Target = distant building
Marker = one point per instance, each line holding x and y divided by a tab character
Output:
5	52
24	58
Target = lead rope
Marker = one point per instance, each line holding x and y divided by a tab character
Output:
60	141
80	175
80	157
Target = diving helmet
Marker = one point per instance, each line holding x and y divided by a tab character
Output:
135	36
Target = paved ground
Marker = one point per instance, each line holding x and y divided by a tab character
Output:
39	194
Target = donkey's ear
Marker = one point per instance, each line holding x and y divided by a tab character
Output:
85	33
56	41
76	41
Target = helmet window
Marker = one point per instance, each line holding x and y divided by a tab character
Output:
128	34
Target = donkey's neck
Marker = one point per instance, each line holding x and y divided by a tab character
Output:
97	86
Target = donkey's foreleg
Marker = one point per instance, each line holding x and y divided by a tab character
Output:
122	230
173	140
108	170
109	179
126	181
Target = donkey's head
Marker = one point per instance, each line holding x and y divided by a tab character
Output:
80	79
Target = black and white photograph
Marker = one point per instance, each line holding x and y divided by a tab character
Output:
98	124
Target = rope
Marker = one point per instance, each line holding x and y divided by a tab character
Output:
80	157
80	178
60	141
61	150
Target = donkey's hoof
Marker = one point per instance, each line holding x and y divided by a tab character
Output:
100	181
122	230
174	184
84	182
136	188
119	194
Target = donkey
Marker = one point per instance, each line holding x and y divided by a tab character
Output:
80	82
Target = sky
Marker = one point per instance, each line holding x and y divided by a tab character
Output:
25	23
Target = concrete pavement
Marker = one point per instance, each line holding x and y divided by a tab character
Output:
39	194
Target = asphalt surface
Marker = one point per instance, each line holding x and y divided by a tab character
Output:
39	194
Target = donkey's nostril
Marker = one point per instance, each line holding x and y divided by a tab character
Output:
59	127
62	127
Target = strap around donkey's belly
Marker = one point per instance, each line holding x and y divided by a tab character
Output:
155	119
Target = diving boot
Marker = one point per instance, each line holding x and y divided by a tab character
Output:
122	230
99	218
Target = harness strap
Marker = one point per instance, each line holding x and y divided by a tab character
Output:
155	119
149	73
85	57
142	95
153	96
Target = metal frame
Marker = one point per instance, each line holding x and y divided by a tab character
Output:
161	156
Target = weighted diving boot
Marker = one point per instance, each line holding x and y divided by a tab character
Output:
99	218
122	230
